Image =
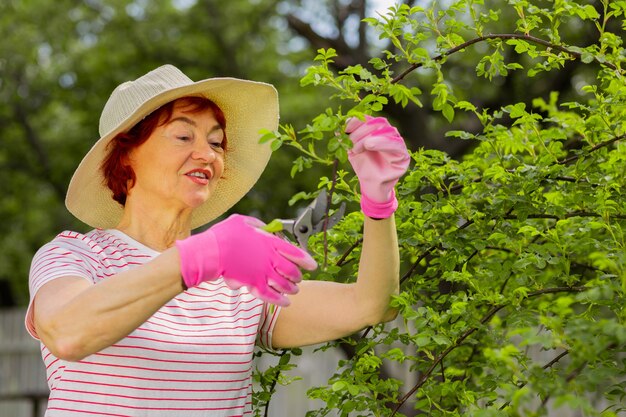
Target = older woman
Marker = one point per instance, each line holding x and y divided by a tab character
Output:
139	317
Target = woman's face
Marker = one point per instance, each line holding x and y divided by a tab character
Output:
179	165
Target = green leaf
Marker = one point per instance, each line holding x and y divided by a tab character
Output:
521	46
587	57
517	110
460	134
353	390
298	196
587	12
275	145
274	226
342	155
465	105
340	386
266	136
448	112
441	340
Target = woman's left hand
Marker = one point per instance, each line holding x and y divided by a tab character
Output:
243	254
379	158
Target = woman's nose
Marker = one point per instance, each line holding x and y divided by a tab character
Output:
204	151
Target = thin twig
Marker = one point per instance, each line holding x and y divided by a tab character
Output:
601	145
411	270
273	386
546	366
329	199
575	373
565	216
569	377
555	360
342	260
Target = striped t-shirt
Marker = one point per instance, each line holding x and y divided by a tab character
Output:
192	358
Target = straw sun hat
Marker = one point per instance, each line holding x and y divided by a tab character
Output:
248	107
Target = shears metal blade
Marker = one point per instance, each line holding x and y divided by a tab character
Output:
313	219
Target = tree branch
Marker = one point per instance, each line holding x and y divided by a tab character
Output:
501	36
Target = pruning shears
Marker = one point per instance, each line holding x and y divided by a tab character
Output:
312	220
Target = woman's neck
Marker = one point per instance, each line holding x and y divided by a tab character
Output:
157	229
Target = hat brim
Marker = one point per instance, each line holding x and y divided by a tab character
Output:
248	107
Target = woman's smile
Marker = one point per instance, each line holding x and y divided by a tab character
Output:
200	176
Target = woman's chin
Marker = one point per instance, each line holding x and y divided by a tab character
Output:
197	200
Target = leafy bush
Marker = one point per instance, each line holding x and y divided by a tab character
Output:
514	258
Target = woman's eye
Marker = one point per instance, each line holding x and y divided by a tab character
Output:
216	142
184	138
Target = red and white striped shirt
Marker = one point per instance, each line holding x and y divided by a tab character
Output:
192	358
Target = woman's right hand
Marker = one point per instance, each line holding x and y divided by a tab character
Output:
241	252
379	158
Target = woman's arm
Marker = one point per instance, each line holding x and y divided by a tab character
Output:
324	311
74	318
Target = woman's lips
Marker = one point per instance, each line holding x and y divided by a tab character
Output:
199	176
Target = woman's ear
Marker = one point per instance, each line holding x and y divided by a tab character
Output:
129	173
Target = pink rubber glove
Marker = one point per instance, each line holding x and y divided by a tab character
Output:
238	250
379	158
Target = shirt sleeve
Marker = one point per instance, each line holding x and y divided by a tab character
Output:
59	258
269	316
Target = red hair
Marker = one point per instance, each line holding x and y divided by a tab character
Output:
118	175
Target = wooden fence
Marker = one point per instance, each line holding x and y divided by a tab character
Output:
23	387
